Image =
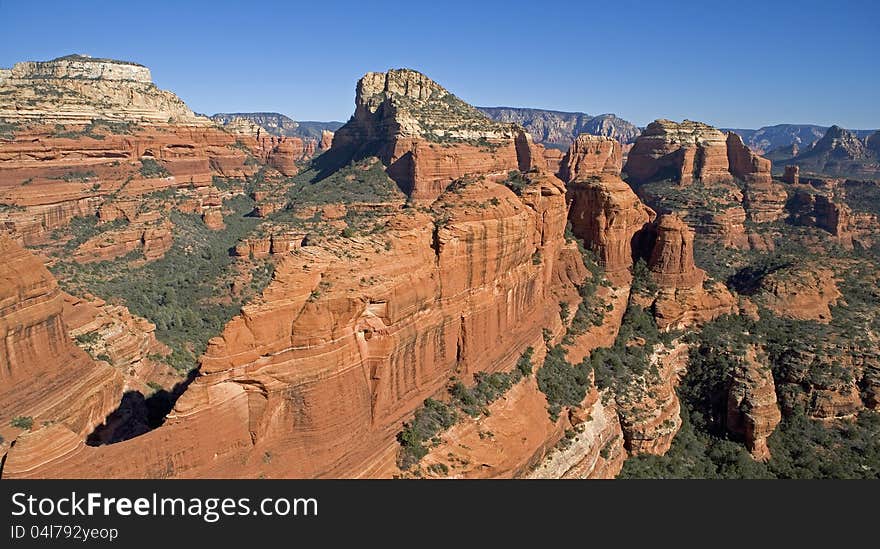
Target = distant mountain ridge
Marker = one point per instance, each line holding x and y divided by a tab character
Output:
839	152
279	124
560	128
769	138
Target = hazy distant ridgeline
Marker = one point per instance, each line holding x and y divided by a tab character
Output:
279	124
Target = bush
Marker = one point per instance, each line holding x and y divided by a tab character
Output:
150	168
429	420
562	383
524	364
516	182
22	422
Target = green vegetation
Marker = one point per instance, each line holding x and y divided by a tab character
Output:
107	126
801	447
361	182
185	292
77	176
434	416
564	384
589	312
430	420
22	422
8	129
82	229
150	168
861	196
516	182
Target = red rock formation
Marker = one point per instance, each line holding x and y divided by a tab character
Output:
462	297
672	257
820	210
683	298
213	219
43	375
553	157
744	164
752	411
591	155
127	342
151	236
649	408
284	153
804	292
792	175
606	215
427	137
49	180
681	151
326	140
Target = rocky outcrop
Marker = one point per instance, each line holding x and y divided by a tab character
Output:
465	294
606	214
752	411
427	137
649	408
680	151
78	89
684	297
590	155
86	130
672	257
764	202
808	207
43	375
148	234
744	164
792	175
112	334
804	292
326	140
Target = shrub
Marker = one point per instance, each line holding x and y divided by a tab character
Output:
516	182
524	364
429	420
562	383
150	168
22	422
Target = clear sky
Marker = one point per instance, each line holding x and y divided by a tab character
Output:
729	63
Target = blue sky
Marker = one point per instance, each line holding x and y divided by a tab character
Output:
732	64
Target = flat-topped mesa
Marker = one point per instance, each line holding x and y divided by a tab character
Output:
78	89
426	136
689	151
591	155
681	151
82	66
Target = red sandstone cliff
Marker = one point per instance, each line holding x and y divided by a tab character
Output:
43	375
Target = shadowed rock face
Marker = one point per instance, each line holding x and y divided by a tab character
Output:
426	136
606	214
43	375
672	257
